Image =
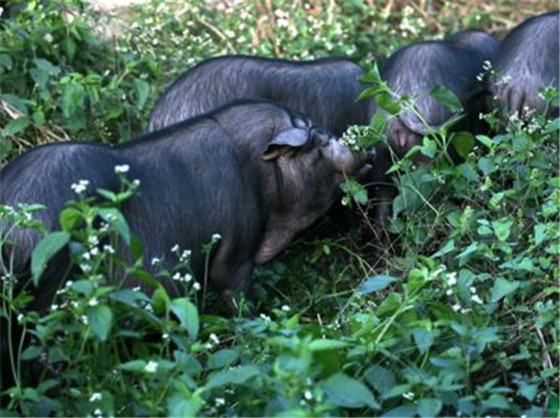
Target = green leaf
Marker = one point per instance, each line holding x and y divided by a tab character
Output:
390	305
16	125
187	314
429	147
463	143
100	319
496	401
446	97
142	90
31	352
72	99
179	406
502	288
423	339
446	249
133	366
44	251
429	407
381	379
486	165
375	283
116	219
223	358
348	392
237	376
69	217
326	344
502	228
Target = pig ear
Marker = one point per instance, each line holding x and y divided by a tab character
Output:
284	142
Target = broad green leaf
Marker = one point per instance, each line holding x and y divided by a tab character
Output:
390	305
223	358
381	379
69	217
133	366
179	406
496	401
502	288
187	314
326	344
423	339
429	147
375	283
31	352
502	228
236	376
100	319
447	98
16	125
44	251
446	249
116	219
429	407
72	99
401	411
142	90
348	392
486	165
463	142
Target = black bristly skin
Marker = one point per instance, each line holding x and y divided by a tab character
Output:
326	90
528	60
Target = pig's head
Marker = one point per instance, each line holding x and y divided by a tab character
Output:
304	166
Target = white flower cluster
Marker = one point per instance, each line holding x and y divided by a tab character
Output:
151	367
121	169
80	187
186	278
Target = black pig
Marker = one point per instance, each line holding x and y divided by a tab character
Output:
326	90
253	172
528	60
476	40
415	70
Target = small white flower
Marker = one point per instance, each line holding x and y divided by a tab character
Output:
265	317
54	307
452	279
80	187
151	367
220	401
136	289
69	283
472	289
214	338
93	240
216	237
165	336
121	169
96	396
98	412
108	249
175	248
84	319
136	182
48	38
408	395
308	395
93	302
176	276
20	317
456	307
155	261
94	251
196	286
476	299
285	308
449	292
